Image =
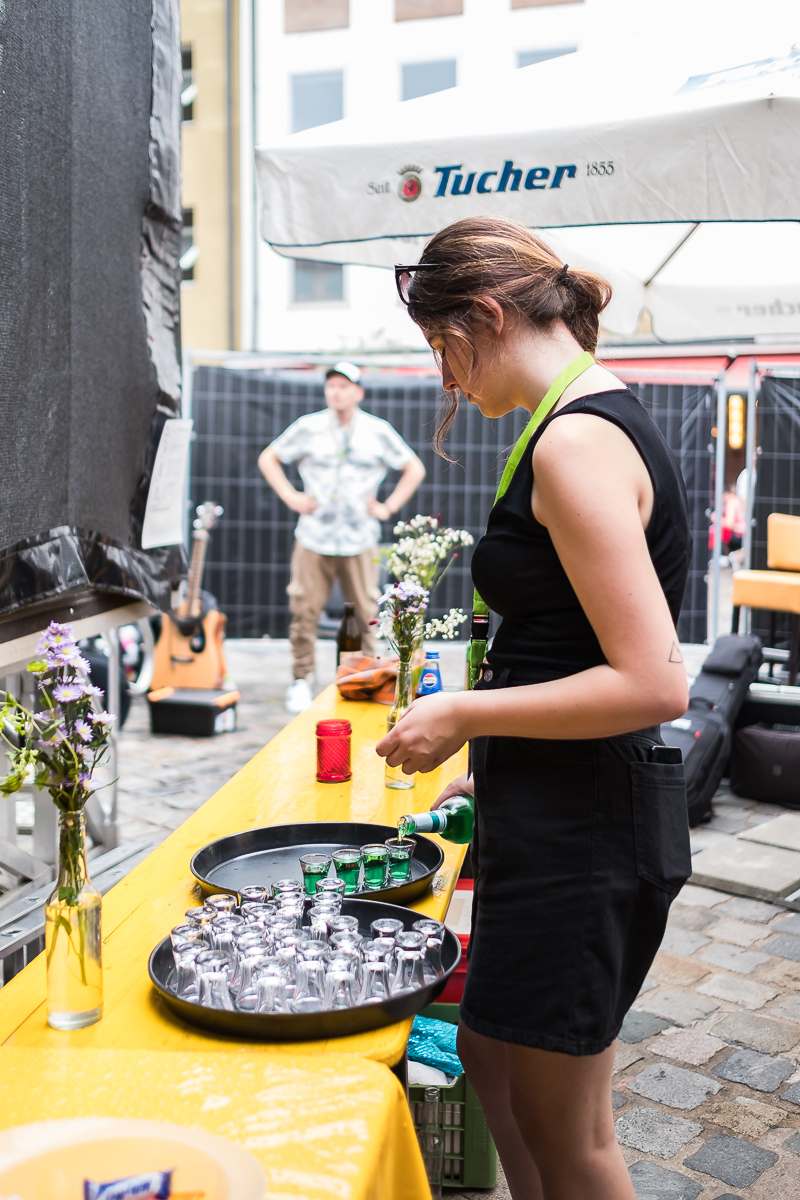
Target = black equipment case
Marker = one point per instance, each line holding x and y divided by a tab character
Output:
192	712
704	733
766	764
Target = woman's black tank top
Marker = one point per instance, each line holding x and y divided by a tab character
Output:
545	633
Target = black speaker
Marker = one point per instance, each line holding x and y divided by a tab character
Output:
89	301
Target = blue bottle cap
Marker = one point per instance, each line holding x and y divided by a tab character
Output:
432	654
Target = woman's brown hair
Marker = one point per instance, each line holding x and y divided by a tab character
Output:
495	257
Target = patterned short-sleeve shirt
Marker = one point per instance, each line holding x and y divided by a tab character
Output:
341	467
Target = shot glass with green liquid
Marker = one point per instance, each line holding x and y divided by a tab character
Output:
347	865
314	867
400	850
376	863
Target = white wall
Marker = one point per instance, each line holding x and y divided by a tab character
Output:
484	41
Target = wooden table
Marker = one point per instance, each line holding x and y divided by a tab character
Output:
332	1128
277	786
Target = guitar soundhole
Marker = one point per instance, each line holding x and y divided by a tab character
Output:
197	644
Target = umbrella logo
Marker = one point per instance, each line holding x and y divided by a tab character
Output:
410	186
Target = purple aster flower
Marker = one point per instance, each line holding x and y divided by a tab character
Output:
84	730
103	718
56	636
89	689
66	693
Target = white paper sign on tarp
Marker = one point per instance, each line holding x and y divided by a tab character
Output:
165	514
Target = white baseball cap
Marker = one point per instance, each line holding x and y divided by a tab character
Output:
348	369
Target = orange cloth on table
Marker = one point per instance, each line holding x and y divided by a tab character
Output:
365	678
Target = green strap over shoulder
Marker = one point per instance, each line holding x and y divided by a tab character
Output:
480	609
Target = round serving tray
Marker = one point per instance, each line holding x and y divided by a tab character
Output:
263	856
306	1027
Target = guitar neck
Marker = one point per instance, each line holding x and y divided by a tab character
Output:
192	604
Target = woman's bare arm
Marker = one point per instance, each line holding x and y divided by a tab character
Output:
593	494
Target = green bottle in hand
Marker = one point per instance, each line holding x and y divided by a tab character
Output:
453	820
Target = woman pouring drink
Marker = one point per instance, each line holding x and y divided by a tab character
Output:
581	836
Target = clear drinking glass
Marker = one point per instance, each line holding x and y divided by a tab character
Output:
434	935
379	950
347	865
249	966
271	989
375	986
315	868
401	851
309	995
376	863
340	987
255	892
187	933
409	961
199	916
254	910
214	991
186	980
222	903
344	922
332	888
385	927
221	931
285	887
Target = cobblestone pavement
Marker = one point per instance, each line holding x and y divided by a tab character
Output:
707	1076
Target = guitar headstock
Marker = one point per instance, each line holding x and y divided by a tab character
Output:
208	513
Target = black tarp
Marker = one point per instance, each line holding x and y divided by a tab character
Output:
84	169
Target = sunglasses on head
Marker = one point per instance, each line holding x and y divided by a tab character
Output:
402	276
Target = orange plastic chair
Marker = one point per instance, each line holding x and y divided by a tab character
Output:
778	589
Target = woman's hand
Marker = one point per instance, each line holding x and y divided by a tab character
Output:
429	733
463	786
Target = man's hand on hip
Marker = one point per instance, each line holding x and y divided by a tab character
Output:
301	502
376	509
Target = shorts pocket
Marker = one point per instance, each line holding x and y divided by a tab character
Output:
661	824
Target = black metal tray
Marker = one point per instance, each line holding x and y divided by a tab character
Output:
262	856
306	1027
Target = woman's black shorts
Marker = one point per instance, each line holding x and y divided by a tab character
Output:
579	849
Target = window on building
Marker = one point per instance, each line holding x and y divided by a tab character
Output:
526	58
316	99
420	79
540	3
413	10
189	251
301	16
188	86
317	282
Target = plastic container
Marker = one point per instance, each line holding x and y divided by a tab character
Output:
470	1157
333	751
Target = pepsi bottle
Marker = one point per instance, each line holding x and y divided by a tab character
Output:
430	680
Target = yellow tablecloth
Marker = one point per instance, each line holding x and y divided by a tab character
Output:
277	786
336	1128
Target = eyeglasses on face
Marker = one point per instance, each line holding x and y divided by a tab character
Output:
402	276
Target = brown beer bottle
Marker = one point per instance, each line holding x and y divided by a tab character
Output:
349	636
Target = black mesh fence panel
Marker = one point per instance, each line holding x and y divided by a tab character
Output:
777	480
237	413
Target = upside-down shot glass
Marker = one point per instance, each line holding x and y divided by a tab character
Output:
315	868
376	863
222	903
400	854
333	751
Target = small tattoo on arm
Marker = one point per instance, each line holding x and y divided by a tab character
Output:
675	653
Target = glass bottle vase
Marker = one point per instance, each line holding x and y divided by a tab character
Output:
72	933
404	695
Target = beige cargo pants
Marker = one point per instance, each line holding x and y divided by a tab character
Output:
309	588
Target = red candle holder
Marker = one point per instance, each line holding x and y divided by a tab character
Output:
333	751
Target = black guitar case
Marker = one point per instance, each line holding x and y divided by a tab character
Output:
704	733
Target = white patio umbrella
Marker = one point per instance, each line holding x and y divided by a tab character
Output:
687	196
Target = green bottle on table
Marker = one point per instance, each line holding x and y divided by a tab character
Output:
453	820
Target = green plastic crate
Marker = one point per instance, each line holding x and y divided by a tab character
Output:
470	1157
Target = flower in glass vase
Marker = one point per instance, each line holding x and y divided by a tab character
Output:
424	550
59	747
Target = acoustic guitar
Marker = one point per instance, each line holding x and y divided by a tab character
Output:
189	652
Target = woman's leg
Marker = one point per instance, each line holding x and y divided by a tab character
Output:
484	1061
563	1146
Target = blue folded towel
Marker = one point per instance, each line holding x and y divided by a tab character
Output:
433	1043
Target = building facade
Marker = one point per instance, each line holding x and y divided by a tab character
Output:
211	284
305	63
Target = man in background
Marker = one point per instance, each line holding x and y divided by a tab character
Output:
342	454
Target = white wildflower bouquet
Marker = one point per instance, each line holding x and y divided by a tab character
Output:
418	560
